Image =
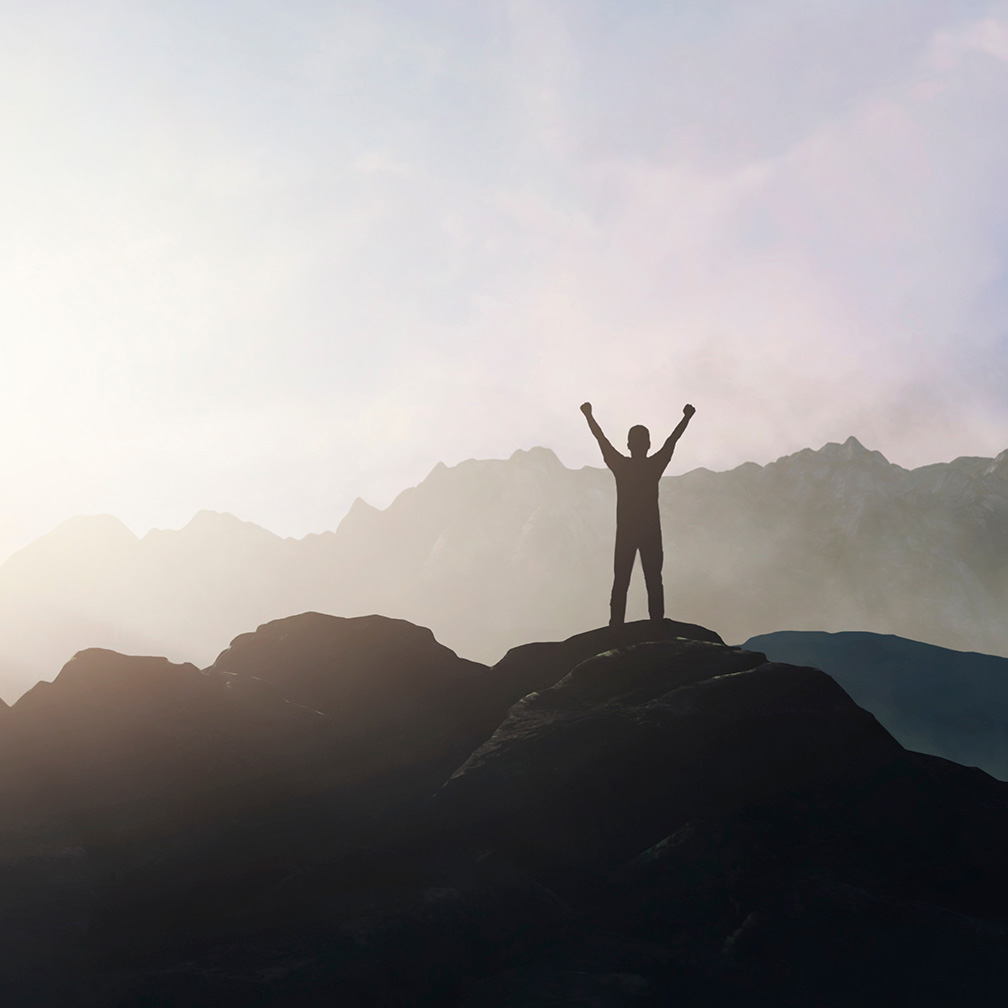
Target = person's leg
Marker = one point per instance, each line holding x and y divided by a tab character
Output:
651	560
623	559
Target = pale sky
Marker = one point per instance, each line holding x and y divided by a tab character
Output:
266	257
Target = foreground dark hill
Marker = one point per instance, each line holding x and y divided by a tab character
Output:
950	703
343	812
493	553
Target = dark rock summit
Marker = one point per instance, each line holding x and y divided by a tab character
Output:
341	811
636	742
401	705
361	672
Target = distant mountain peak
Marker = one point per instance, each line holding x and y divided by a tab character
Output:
101	526
852	448
537	455
78	540
212	524
358	518
213	520
361	506
832	453
850	451
999	467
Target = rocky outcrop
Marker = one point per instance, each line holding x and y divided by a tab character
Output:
637	741
404	708
364	673
148	743
750	820
662	819
531	667
303	704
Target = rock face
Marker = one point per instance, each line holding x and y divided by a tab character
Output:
302	704
363	673
663	819
492	553
634	743
151	743
948	703
400	704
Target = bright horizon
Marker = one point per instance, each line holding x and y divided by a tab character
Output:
265	261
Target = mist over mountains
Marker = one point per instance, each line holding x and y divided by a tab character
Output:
489	553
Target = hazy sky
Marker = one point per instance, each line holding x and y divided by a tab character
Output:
265	257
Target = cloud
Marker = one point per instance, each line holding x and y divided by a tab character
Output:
988	36
842	284
358	240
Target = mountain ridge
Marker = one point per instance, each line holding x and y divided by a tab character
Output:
491	552
850	448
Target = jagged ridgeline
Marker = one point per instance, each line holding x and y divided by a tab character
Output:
343	812
492	553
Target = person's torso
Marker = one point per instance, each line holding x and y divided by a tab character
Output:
637	492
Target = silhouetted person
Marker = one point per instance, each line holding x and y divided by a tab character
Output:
638	524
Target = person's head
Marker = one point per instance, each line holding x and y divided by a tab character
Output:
638	441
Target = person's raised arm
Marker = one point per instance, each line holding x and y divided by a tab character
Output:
609	454
665	452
